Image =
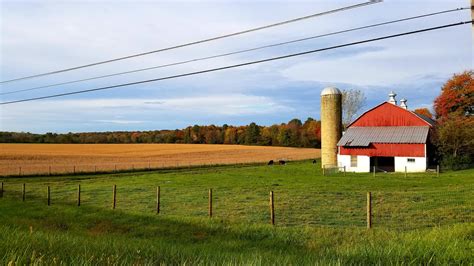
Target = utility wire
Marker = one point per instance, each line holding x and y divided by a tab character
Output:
238	52
243	64
200	41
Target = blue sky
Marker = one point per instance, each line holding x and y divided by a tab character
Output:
42	36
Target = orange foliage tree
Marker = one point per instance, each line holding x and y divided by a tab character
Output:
457	96
454	134
424	111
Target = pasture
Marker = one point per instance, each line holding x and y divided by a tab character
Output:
418	219
32	159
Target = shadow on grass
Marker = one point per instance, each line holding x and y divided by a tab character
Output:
95	222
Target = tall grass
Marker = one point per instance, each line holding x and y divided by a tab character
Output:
320	220
35	234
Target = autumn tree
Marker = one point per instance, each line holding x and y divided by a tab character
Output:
311	133
352	102
230	135
457	96
424	111
269	135
187	135
454	132
294	131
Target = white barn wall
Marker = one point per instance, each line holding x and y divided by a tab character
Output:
418	166
363	163
344	161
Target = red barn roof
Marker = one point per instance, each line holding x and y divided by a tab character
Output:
390	115
387	130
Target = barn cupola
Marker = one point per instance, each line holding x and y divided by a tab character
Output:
391	98
403	103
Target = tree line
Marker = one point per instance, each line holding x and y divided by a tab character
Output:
291	134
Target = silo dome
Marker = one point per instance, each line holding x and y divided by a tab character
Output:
330	90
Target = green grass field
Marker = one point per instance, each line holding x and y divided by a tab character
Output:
419	219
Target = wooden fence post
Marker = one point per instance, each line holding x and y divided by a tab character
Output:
369	210
79	195
405	171
49	195
344	170
158	190
19	171
114	196
23	191
1	190
272	209
210	202
74	169
374	171
437	170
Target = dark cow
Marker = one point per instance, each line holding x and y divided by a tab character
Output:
270	162
282	162
314	161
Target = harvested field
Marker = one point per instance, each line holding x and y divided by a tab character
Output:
29	159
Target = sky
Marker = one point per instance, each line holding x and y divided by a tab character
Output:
43	36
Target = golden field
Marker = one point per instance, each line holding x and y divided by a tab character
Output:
27	159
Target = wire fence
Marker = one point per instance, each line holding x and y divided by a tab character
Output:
309	207
72	169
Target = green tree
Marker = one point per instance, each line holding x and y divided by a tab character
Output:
294	131
455	141
284	136
252	134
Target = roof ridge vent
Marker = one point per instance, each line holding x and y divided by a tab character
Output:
403	104
391	98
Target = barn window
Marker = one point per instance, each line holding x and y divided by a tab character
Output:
411	160
353	160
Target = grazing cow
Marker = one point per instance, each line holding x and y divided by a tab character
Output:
270	162
282	162
314	161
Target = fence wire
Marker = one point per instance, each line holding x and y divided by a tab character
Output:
309	207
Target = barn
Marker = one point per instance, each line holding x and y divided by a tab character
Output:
389	137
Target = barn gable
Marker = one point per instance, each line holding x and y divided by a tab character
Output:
387	114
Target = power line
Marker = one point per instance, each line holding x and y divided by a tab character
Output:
200	41
242	64
238	52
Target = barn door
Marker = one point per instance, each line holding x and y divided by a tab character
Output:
383	164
